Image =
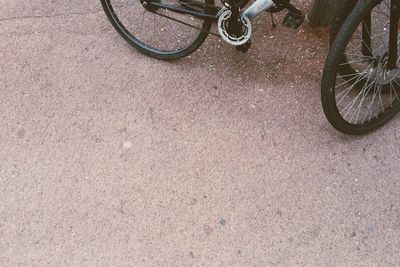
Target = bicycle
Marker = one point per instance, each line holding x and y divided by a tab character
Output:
171	29
360	87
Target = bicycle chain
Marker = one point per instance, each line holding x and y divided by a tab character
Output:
198	28
189	25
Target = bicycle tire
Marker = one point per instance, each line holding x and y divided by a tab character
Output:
125	30
330	76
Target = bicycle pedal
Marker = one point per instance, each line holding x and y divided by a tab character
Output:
244	47
293	20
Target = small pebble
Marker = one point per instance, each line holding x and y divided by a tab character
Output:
127	145
222	222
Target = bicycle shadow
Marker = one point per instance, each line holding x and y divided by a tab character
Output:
279	59
276	54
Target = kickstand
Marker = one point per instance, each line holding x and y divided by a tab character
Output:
273	24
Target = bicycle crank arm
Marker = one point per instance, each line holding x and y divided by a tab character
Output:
180	10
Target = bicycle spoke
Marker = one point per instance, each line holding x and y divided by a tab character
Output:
158	31
367	89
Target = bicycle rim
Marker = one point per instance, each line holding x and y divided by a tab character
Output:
366	94
152	32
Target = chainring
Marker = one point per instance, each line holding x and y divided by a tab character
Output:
223	20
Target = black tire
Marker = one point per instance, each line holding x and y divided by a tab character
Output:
385	105
138	26
322	12
342	12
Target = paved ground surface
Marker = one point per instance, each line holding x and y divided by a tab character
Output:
110	158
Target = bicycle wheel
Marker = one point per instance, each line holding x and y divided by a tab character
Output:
359	91
343	11
159	32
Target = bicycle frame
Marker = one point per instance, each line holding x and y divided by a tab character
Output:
256	8
393	36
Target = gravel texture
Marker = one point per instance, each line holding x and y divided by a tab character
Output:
110	158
